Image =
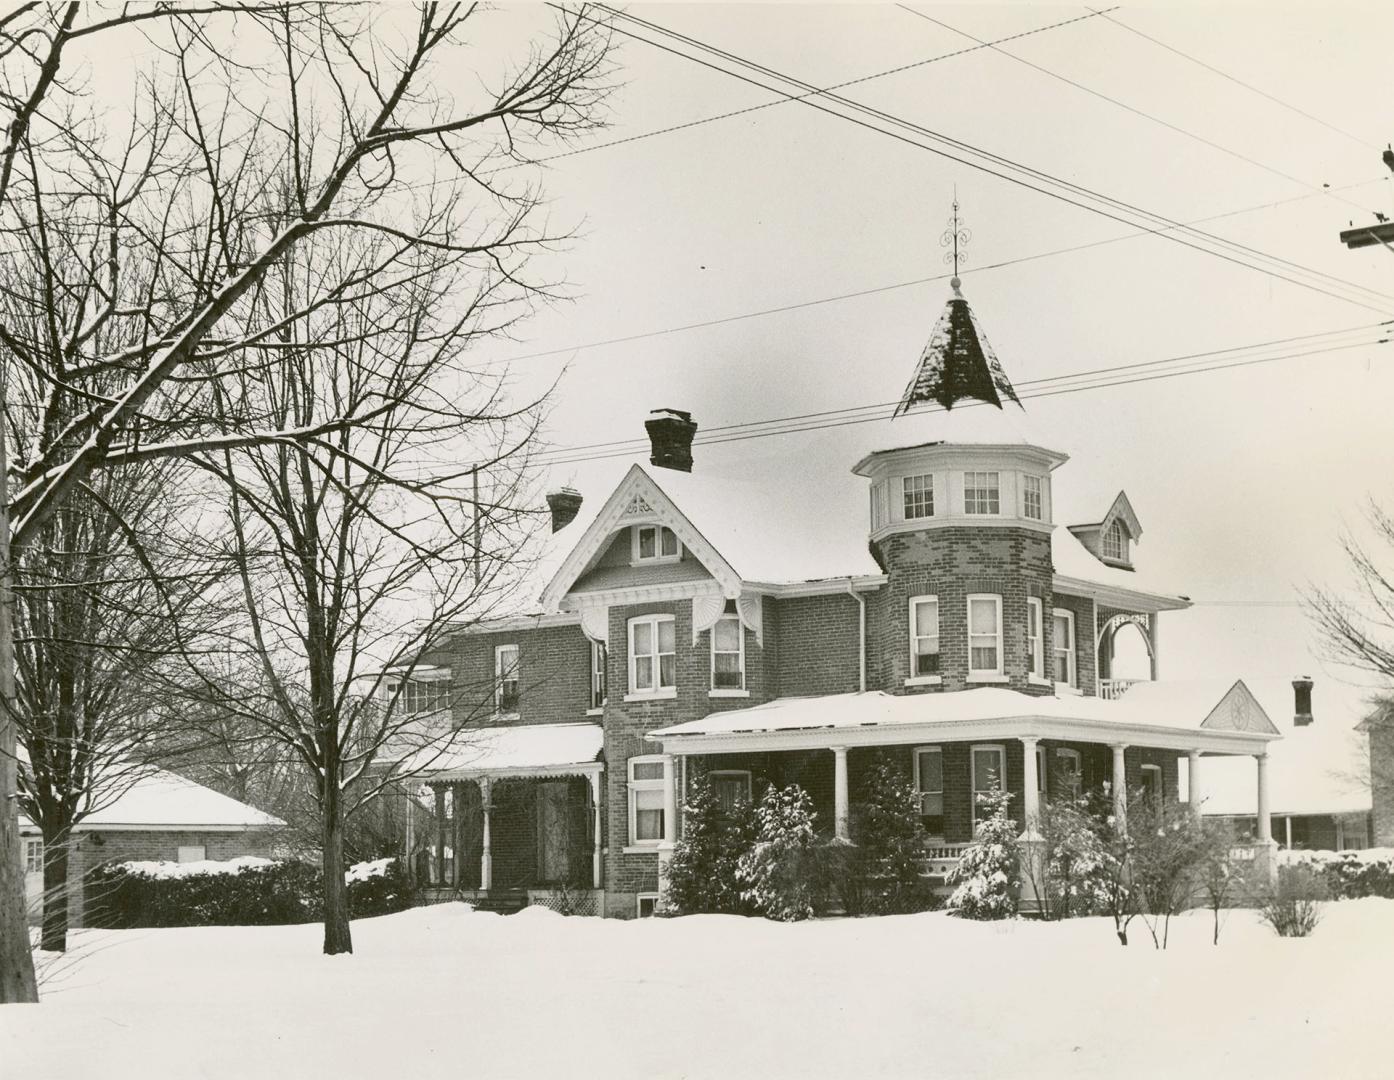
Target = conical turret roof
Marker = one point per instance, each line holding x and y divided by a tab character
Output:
957	365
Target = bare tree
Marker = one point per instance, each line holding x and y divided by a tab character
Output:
352	102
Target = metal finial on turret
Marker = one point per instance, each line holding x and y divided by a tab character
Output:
956	237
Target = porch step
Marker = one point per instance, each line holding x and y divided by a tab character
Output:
509	903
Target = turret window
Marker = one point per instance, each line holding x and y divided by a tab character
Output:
981	493
984	636
924	637
919	496
1033	637
1031	504
1063	646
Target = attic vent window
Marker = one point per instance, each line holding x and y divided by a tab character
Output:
1115	542
655	543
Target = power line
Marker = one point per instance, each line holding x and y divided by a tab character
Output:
1227	76
1133	109
874	290
1003	162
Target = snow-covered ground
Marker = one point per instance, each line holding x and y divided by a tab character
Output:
448	992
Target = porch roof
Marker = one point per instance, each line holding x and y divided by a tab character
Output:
523	750
1217	717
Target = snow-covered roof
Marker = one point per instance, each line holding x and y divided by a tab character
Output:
1190	706
957	363
1075	561
535	749
167	800
1320	768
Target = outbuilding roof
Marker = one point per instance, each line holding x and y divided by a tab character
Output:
168	800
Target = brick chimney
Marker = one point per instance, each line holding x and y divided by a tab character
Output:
670	435
1302	700
565	505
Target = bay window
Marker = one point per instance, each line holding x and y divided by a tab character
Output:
984	636
924	637
652	657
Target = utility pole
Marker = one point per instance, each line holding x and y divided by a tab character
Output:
1382	232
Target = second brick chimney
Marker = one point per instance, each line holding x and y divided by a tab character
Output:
670	437
1302	700
565	505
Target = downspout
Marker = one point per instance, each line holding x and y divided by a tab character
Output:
861	635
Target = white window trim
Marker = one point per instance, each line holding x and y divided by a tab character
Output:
915	760
634	786
658	691
904	494
33	855
1066	754
973	788
598	649
499	651
1161	789
1073	681
1036	647
745	773
982	472
727	691
639	904
997	674
657	557
922	680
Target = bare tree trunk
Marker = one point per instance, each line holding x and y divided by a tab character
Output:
17	982
337	938
55	927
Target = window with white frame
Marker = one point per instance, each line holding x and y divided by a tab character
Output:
1069	777
1152	786
646	905
506	678
1115	542
655	543
33	856
1032	505
598	689
924	636
1034	654
980	493
731	788
652	659
984	635
421	695
919	496
646	800
191	853
989	773
929	786
1062	646
728	654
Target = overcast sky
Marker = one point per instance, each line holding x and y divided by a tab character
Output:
1242	479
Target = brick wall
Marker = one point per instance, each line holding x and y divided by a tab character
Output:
554	675
1083	609
818	644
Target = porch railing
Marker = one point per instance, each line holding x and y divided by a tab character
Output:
1113	689
939	859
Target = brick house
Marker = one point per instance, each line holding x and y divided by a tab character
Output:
936	612
160	816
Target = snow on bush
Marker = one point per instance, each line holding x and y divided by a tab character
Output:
1347	874
778	874
988	873
164	870
702	875
365	870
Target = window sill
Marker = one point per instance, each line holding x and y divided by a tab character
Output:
987	678
1066	690
653	695
728	693
641	849
655	560
596	712
924	680
1036	680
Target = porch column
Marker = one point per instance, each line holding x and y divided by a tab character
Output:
486	856
1152	621
670	826
1031	794
1120	787
1265	820
1193	792
841	817
595	825
409	841
439	875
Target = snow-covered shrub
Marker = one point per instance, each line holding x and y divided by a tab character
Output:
1349	875
879	872
1293	906
778	876
1071	876
988	876
240	892
1168	855
702	872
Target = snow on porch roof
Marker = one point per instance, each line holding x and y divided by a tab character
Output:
532	748
1184	706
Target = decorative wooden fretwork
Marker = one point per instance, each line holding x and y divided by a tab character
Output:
638	506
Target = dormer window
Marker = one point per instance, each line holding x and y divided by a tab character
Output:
981	493
1115	543
919	496
655	543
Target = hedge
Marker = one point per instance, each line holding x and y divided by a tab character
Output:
252	893
1349	875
